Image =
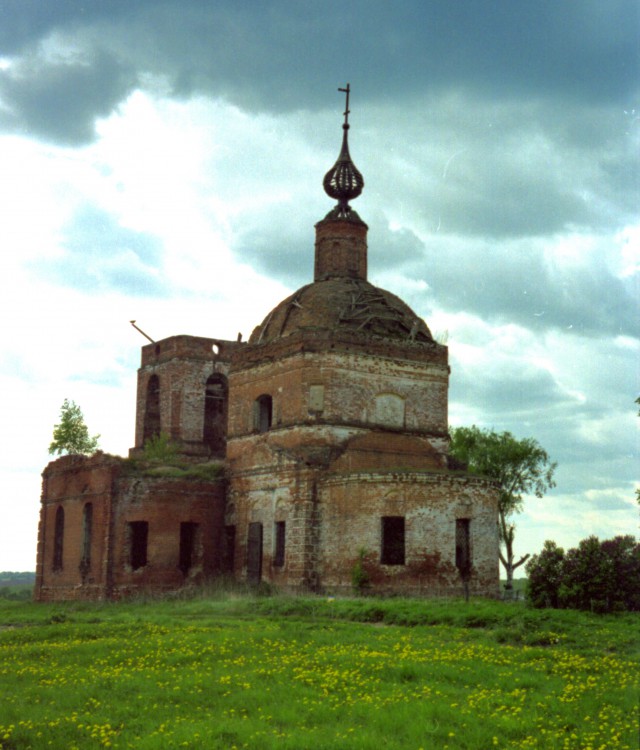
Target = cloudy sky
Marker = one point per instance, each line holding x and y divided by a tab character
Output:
162	161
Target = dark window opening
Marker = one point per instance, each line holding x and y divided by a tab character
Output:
215	414
58	539
264	413
152	409
87	529
254	553
188	536
229	549
392	552
278	552
138	536
463	546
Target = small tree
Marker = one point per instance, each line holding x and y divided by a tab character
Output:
519	467
72	435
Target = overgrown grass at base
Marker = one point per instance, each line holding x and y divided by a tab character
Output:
316	674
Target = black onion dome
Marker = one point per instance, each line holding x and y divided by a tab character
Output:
343	181
343	305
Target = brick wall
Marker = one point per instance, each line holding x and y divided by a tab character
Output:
69	483
182	365
352	507
118	500
340	388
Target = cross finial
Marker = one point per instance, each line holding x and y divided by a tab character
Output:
343	181
346	110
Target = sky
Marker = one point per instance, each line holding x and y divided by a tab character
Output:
162	161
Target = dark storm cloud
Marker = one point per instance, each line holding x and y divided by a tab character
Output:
583	436
23	22
101	255
516	390
288	257
459	164
60	102
287	55
517	282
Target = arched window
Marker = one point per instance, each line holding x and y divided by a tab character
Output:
152	409
87	527
215	414
58	539
263	413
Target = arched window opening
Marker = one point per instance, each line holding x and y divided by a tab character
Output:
152	409
263	413
58	539
87	528
214	433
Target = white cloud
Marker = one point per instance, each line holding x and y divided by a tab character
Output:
510	224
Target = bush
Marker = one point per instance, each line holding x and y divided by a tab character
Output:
597	576
545	575
360	579
160	449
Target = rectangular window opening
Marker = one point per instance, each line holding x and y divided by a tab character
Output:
254	553
279	544
188	536
392	549
138	537
229	549
463	546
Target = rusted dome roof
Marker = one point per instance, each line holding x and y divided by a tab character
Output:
343	304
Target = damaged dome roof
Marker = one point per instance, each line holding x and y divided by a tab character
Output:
344	304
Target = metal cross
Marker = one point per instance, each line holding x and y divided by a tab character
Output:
347	110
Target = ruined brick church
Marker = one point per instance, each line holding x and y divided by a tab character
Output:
313	450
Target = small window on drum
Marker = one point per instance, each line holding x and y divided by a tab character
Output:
263	413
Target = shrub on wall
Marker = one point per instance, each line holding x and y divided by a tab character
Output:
597	576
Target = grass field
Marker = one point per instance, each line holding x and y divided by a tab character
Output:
237	671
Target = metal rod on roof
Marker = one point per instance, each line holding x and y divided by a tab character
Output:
133	323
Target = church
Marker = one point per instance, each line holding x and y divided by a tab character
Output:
313	457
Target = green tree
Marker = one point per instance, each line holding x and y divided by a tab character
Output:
597	576
72	435
638	490
520	467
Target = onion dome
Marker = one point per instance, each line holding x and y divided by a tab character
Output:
341	303
343	181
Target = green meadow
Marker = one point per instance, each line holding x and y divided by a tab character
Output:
239	671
